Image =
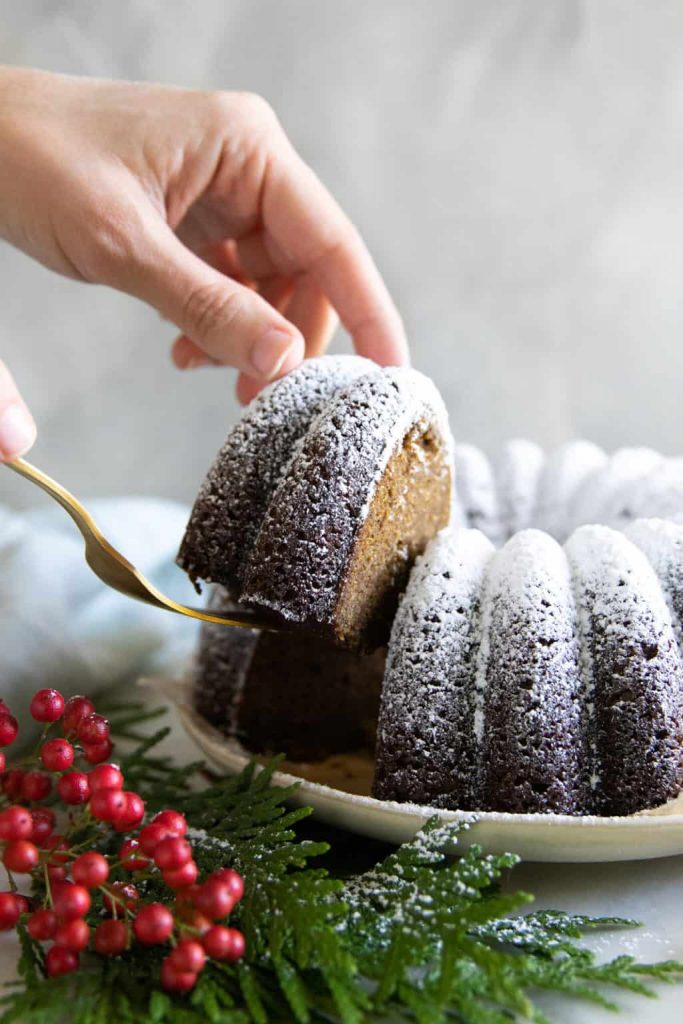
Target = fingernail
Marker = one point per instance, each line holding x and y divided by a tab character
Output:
17	431
274	351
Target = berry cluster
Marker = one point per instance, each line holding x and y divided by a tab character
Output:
89	899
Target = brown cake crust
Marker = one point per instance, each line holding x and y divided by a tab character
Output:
234	496
537	678
368	486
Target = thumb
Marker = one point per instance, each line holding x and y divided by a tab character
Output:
17	429
232	324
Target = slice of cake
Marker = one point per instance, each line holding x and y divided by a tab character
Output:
319	520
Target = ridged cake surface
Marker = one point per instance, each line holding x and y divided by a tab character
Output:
323	495
235	494
575	485
549	679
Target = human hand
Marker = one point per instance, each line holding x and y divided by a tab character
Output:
196	203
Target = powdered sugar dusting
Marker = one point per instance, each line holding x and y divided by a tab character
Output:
657	494
575	485
424	736
636	669
595	500
527	680
562	475
517	470
298	560
476	491
661	541
235	494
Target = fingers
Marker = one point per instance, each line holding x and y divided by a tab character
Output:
315	318
17	429
310	311
230	323
247	388
303	221
305	306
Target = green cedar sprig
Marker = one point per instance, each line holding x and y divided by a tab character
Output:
417	937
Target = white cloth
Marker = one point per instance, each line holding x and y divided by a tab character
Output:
60	626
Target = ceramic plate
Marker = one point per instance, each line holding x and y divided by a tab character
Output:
535	837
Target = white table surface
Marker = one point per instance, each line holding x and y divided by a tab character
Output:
650	891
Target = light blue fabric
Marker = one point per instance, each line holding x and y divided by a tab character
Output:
60	626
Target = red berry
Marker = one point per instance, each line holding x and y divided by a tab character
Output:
107	804
9	729
171	820
20	855
93	729
111	937
43	821
73	935
3	761
150	837
153	924
90	869
223	943
10	911
131	856
193	919
96	753
122	894
182	877
11	782
60	961
75	710
59	846
47	705
214	899
172	853
188	955
232	879
56	873
25	905
16	823
57	755
70	901
106	776
42	925
176	981
132	814
35	786
74	788
185	896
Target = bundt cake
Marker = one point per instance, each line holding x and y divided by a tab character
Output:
333	481
521	674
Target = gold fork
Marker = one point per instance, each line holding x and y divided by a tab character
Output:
116	571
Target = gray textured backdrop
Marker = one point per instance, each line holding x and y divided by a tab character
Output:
516	166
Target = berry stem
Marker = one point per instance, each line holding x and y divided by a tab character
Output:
48	887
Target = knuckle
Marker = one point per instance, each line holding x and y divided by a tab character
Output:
248	108
111	241
257	111
209	308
